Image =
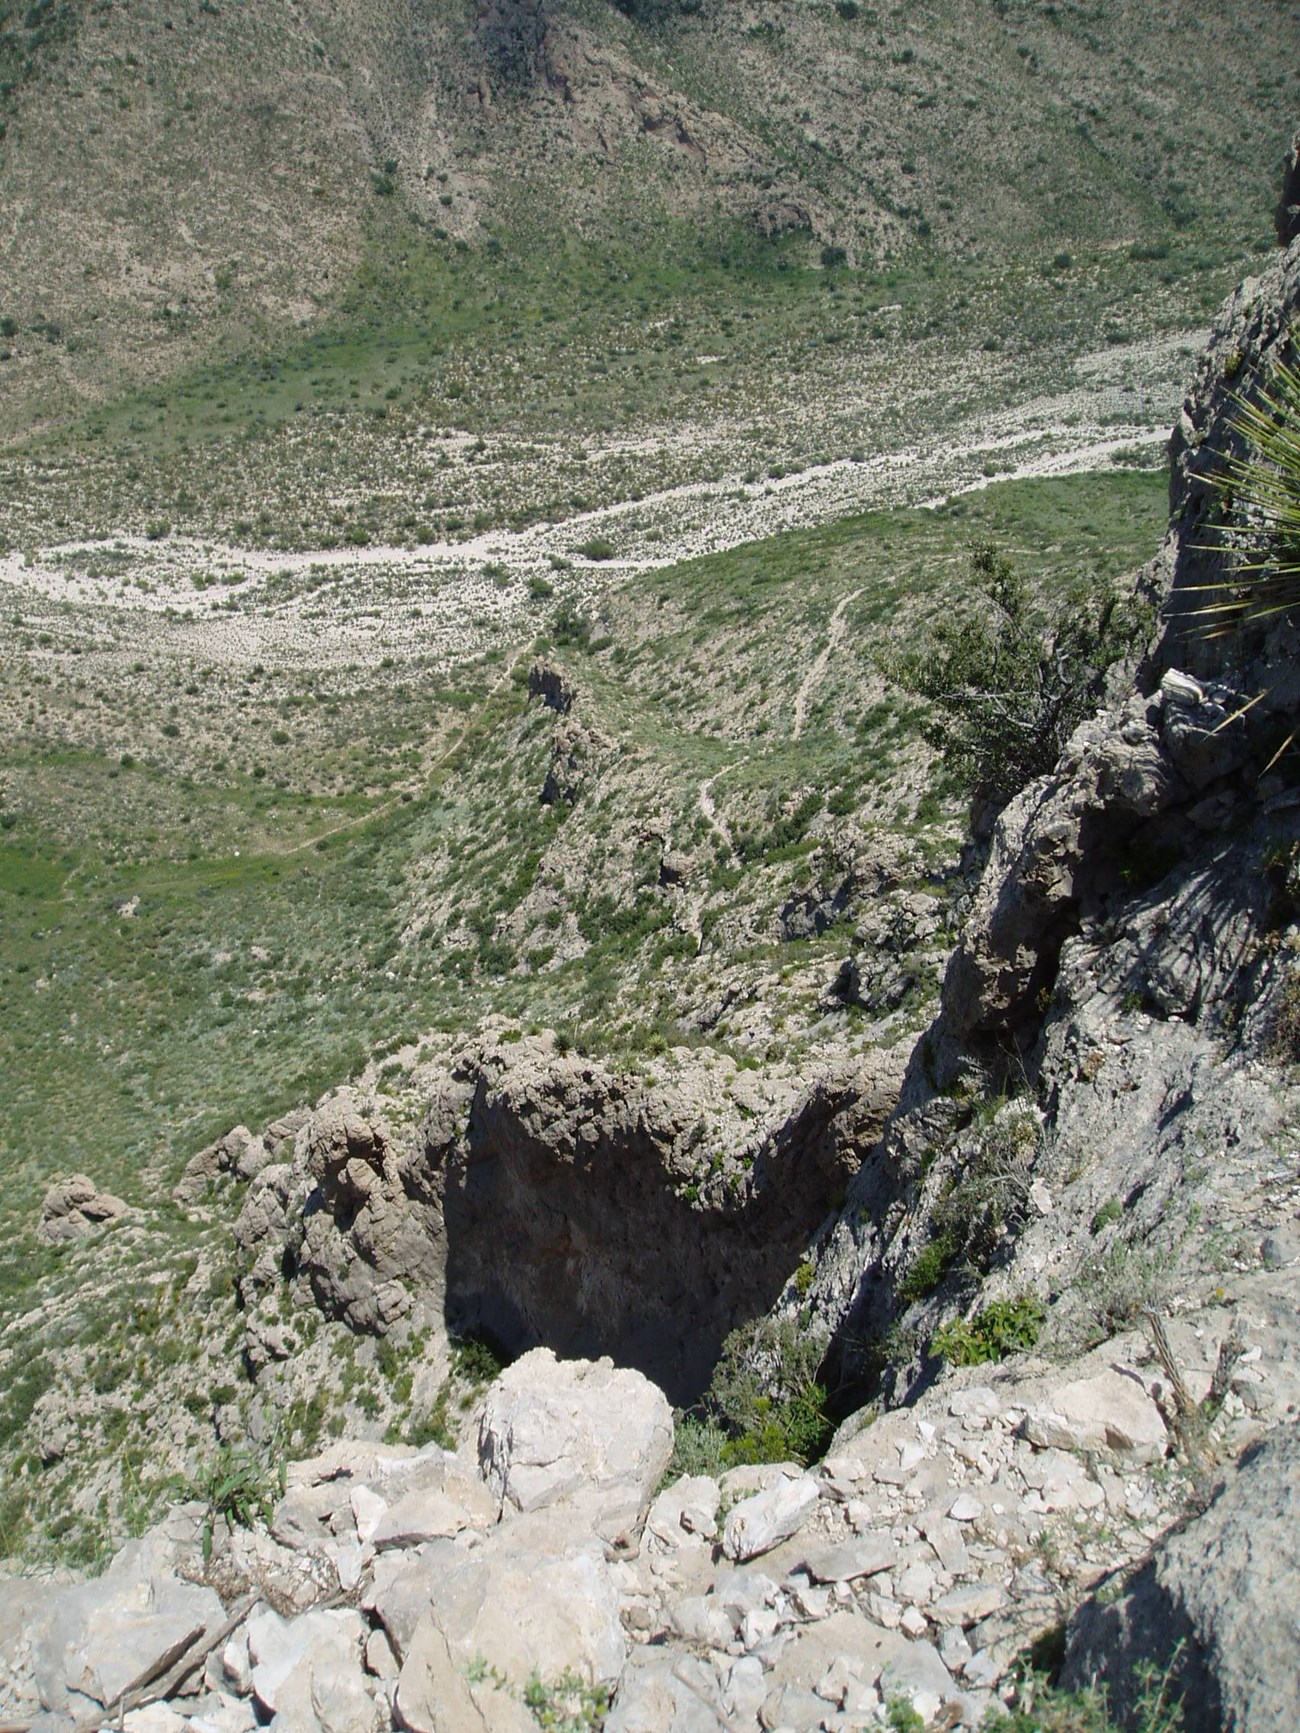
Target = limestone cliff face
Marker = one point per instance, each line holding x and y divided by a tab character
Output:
550	1199
1125	972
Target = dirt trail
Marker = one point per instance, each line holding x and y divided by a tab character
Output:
426	771
834	638
710	811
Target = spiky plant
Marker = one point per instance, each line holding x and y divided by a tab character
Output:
1260	492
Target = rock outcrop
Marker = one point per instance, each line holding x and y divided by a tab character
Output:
1287	219
1124	970
1215	1609
75	1207
428	1590
551	1200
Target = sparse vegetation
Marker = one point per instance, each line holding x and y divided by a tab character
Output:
1010	682
1002	1328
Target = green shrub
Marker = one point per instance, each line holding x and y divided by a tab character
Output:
1109	1212
238	1491
567	1704
1010	683
766	1398
1005	1327
478	1360
598	548
928	1269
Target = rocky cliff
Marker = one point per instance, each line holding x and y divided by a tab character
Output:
1061	1297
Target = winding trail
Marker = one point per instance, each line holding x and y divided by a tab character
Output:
426	771
711	813
834	638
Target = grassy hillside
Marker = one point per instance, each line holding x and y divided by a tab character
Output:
185	185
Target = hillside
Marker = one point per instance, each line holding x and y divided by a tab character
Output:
493	502
192	184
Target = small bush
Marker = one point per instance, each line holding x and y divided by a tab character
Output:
1109	1212
766	1397
1005	1327
1010	684
238	1491
928	1269
567	1704
598	548
479	1360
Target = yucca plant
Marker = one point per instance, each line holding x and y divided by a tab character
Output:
1259	489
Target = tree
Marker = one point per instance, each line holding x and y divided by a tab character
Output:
1010	682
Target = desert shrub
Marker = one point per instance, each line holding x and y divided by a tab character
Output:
984	1205
1260	497
1041	1707
567	1704
570	628
478	1359
1119	1289
238	1491
766	1396
1005	1327
1011	681
598	548
928	1268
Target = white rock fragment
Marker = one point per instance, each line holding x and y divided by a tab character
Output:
758	1524
1110	1412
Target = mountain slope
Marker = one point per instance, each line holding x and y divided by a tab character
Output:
182	181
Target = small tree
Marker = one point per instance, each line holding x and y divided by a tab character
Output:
1011	682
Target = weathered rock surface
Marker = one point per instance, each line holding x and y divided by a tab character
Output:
75	1207
93	1642
646	1248
574	1433
1227	1588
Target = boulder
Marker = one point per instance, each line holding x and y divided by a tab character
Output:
98	1639
75	1207
689	1507
576	1433
432	1691
534	1596
238	1153
1111	1412
758	1524
287	1655
850	1560
666	1690
1218	1603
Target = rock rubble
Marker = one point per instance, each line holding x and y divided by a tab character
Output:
425	1589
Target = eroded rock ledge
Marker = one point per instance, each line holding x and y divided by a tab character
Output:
550	1199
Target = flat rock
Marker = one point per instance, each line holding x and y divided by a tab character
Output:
279	1648
418	1517
1111	1412
688	1507
665	1690
432	1691
534	1597
967	1605
98	1638
850	1560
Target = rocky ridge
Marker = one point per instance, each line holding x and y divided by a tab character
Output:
1105	1108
